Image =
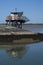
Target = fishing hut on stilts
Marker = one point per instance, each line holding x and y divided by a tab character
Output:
16	19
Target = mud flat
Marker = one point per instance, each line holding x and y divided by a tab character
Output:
18	36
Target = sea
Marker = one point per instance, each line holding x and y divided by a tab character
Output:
29	54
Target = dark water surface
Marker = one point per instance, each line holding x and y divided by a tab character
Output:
31	54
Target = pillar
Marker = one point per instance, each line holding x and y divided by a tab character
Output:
21	25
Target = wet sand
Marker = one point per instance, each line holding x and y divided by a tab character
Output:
13	38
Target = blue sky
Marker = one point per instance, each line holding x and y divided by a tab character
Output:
33	9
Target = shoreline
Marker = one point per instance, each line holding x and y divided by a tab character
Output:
20	39
33	24
18	36
26	24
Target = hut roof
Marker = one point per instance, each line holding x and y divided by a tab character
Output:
16	12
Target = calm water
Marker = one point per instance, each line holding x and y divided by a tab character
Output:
31	54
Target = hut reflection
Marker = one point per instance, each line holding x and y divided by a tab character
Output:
17	51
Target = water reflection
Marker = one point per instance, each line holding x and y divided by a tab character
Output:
17	51
31	54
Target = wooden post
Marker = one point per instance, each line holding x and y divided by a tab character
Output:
21	25
9	22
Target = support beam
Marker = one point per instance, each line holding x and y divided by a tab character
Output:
21	25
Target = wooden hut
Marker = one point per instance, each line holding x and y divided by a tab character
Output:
16	19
